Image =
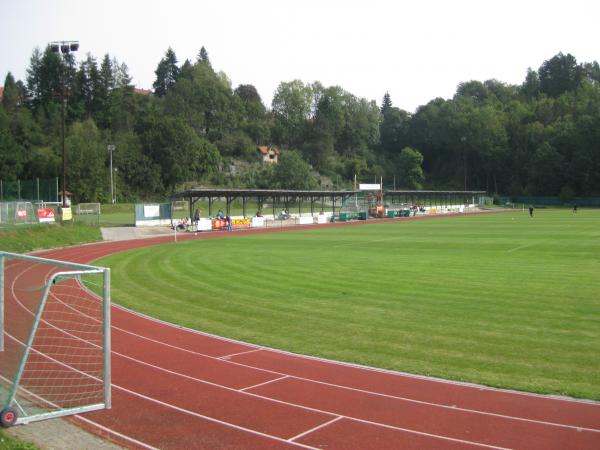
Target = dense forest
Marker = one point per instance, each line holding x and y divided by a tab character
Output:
539	138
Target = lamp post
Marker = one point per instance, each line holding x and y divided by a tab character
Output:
110	148
64	48
464	145
115	201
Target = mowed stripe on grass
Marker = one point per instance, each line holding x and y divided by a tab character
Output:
502	299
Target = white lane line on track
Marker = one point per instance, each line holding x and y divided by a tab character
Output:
392	427
283	375
363	391
239	353
318	427
422	433
264	383
115	433
208	418
339	363
377	370
168	405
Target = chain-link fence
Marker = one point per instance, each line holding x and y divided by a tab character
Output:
38	190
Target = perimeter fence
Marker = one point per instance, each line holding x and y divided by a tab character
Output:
552	201
38	190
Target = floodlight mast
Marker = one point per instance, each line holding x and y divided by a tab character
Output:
111	148
64	48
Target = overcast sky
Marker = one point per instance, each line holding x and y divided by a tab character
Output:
416	50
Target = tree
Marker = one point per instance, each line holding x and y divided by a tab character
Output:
410	173
545	175
203	57
167	73
122	110
11	98
292	172
44	78
86	169
560	74
531	86
386	104
393	130
104	88
254	121
291	108
87	87
177	151
11	153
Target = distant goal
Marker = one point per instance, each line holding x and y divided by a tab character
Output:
88	213
54	338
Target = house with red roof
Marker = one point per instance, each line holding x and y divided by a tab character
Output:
269	154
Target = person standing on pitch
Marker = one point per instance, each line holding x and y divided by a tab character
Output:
531	211
575	207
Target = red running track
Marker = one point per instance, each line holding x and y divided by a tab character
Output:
175	388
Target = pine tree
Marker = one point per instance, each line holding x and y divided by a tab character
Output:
386	104
167	73
11	96
106	84
203	57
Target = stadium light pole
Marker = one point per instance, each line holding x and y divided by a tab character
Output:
64	48
464	146
110	148
116	170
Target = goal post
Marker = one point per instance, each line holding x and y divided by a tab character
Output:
55	347
88	208
87	213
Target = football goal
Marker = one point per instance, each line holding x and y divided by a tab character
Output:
87	213
54	338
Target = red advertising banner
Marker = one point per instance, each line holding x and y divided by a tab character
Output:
221	224
21	214
45	215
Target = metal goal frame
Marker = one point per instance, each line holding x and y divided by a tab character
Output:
70	274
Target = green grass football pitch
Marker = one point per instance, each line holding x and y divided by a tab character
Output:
500	299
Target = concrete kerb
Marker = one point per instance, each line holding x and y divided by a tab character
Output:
59	434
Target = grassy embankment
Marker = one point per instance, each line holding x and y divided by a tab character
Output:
26	238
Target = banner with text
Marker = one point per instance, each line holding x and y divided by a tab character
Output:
45	215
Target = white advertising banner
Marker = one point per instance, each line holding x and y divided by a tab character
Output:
369	187
151	211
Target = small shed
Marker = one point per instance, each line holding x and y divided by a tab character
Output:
68	195
269	154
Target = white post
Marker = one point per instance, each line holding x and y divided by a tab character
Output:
107	341
110	148
1	303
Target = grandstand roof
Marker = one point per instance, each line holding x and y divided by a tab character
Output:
223	192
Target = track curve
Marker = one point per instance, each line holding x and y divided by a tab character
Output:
176	388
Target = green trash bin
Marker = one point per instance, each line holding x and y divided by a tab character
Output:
343	217
391	214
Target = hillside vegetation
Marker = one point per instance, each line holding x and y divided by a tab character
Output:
541	137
